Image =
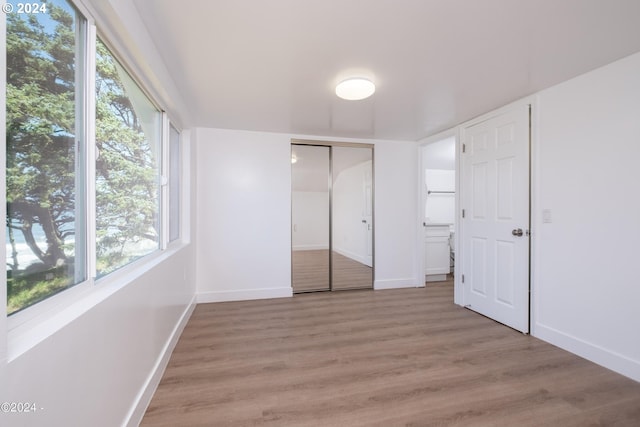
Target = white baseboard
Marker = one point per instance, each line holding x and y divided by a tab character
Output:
141	403
596	354
397	284
244	295
310	248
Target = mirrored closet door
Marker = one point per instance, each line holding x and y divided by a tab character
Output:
332	216
310	209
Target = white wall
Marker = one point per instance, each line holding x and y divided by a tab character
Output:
395	176
96	368
244	214
586	271
439	152
440	207
310	216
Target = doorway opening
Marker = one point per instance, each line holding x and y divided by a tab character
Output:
438	208
332	218
488	213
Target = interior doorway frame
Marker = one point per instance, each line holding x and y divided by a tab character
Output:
457	275
534	197
332	144
530	102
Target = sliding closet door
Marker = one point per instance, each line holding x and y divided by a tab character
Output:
310	177
332	217
352	218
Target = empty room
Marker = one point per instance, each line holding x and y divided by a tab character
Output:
320	213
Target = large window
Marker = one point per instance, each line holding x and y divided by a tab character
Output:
44	172
75	210
128	140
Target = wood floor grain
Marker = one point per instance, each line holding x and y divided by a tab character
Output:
311	271
348	273
406	357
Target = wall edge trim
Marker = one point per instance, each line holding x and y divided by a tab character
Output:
143	399
616	362
244	294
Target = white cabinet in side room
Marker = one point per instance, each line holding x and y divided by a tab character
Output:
437	252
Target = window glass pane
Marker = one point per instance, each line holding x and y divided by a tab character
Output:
128	130
45	206
174	184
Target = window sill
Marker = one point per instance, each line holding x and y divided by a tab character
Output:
28	334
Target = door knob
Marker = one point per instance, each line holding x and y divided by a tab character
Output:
517	232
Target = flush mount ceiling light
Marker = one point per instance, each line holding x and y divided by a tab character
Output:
355	89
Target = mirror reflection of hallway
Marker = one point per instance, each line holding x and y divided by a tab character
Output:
332	217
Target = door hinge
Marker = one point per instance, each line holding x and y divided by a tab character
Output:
464	148
463	278
463	213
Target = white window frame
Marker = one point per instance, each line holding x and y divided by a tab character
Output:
169	180
26	328
3	189
164	184
163	141
18	322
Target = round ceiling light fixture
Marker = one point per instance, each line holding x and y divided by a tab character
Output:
355	89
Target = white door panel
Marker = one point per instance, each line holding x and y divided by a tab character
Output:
495	199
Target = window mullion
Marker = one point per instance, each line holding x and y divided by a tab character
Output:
80	271
91	153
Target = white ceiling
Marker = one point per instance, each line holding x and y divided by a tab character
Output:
272	65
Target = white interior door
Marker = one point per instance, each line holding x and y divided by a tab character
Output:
495	225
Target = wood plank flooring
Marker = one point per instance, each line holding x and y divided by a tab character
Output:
405	357
311	272
350	274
